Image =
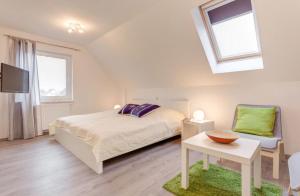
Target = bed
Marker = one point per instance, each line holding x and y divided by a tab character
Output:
97	137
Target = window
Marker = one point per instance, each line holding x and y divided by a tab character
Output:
230	35
236	37
55	77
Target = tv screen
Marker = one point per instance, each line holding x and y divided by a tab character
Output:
13	79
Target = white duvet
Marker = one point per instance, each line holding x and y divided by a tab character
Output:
111	134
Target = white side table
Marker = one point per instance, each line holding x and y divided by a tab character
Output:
244	151
191	128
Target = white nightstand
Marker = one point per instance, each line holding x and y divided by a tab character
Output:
191	128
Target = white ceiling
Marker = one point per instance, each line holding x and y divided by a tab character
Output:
153	43
49	17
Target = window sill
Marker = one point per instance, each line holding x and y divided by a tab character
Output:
238	65
57	102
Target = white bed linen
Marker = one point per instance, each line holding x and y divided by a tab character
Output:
111	134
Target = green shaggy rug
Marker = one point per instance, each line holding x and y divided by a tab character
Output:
217	181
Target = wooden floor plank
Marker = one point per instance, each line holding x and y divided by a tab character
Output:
41	166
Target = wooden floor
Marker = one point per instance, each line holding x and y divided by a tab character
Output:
43	167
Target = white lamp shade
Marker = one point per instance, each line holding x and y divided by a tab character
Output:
117	107
198	116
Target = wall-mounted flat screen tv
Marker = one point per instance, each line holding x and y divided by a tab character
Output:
13	79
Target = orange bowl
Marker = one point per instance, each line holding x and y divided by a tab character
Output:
222	136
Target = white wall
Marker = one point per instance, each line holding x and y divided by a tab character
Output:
219	102
93	88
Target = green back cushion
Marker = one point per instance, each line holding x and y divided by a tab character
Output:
257	121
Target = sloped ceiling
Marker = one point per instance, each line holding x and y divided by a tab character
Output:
49	17
153	43
160	48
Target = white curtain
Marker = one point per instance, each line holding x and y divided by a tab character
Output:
4	115
21	119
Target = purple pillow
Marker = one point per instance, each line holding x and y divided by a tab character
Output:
127	108
143	109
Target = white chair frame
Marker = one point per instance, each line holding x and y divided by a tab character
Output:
277	153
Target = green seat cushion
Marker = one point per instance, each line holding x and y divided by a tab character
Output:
257	121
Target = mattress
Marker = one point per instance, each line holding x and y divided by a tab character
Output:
111	134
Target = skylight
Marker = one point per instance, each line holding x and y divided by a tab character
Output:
230	35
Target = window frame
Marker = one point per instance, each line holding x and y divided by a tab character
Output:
204	9
69	78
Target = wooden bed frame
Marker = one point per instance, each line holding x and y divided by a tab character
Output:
84	151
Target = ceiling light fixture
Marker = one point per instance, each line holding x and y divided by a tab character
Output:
74	27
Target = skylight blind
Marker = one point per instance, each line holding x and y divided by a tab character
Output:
229	10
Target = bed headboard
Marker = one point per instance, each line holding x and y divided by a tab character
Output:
182	105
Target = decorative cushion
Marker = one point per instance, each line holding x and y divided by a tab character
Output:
128	108
257	121
143	109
